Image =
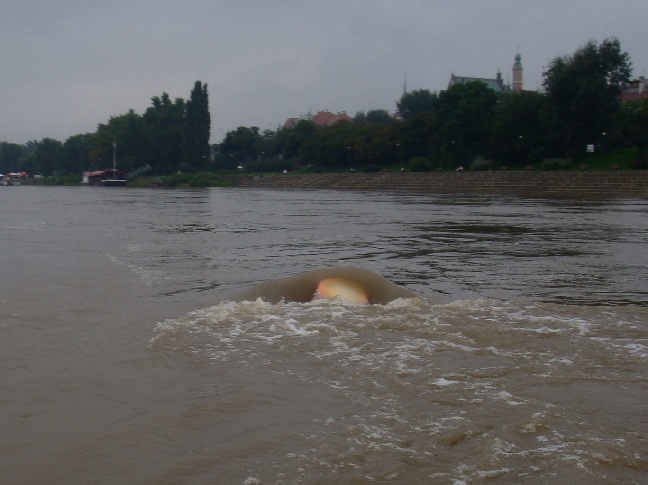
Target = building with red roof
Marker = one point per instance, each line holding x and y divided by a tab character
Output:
635	90
322	118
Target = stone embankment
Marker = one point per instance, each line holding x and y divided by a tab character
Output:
552	184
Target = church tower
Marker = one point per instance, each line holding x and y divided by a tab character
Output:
517	74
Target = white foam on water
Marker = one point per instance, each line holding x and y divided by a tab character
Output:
444	382
637	349
428	379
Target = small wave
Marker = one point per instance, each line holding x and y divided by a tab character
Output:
148	277
439	379
402	336
502	328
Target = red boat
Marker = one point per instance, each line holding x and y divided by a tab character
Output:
106	178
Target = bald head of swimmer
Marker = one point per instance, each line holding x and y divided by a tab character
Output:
348	283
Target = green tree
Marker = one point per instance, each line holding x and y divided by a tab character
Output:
375	146
267	145
47	157
360	118
517	137
465	115
633	129
75	155
417	138
583	93
126	131
197	127
10	154
240	145
414	103
378	116
289	141
163	131
27	160
131	144
332	146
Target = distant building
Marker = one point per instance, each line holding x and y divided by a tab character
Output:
517	74
635	90
496	84
322	118
326	118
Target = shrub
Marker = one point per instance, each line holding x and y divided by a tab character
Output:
178	180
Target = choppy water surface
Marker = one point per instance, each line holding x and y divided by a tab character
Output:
523	361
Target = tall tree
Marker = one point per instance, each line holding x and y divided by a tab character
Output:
633	129
583	92
289	141
333	146
10	154
375	116
518	138
380	116
465	114
75	157
127	132
417	137
241	145
47	157
163	128
375	146
414	103
197	127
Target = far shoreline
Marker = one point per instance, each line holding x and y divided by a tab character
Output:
590	184
627	183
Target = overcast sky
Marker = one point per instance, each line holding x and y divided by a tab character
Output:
67	65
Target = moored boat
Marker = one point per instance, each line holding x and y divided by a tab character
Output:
107	178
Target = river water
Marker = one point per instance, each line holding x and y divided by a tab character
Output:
525	359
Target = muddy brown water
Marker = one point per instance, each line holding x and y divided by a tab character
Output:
524	359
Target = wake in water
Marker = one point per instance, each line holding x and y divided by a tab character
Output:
352	284
451	392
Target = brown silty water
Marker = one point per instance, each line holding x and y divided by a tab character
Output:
522	357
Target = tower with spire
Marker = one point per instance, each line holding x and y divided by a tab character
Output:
517	74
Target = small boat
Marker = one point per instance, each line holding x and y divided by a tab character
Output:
106	178
113	180
13	178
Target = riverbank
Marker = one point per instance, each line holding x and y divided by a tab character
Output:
633	183
622	183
